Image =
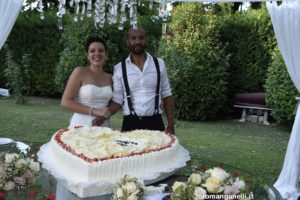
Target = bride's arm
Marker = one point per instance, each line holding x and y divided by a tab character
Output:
112	108
71	91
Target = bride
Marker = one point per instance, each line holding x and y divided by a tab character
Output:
89	89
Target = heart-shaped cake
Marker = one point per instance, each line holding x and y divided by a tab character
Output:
98	153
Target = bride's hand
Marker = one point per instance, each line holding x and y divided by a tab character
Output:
101	112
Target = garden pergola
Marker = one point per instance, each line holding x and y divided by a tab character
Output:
286	23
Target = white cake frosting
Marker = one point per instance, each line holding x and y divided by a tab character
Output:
97	153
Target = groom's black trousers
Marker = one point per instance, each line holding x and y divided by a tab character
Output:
133	122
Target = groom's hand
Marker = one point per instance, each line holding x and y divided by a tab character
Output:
98	121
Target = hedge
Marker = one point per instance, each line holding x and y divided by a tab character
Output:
40	39
197	64
280	91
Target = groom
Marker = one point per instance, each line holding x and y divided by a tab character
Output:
140	83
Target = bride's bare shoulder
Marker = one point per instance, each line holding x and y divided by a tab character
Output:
80	70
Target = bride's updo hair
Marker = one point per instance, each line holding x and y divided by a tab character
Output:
92	39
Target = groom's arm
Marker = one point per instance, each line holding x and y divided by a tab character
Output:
117	99
169	109
113	107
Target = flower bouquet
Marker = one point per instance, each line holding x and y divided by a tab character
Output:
128	189
17	171
214	183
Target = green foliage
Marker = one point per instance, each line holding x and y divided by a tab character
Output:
18	76
73	54
187	16
251	40
280	91
55	55
190	15
147	18
40	38
2	67
233	49
75	34
197	64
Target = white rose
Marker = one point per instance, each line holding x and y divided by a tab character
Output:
27	160
119	193
195	179
9	157
130	187
35	166
213	185
177	185
133	196
126	177
239	184
20	163
9	185
199	193
219	173
1	171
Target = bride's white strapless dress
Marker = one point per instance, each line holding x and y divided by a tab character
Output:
91	96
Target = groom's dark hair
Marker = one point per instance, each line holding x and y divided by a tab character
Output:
136	28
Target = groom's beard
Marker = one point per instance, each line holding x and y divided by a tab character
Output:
137	49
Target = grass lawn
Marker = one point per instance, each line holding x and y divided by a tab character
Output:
255	151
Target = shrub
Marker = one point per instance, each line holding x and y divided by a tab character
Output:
75	34
280	91
197	65
251	38
200	84
40	38
18	76
55	57
242	43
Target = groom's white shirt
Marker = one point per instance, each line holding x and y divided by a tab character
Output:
142	86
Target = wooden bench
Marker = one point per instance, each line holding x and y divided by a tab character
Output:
245	115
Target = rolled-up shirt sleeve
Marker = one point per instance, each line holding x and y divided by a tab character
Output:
118	90
165	85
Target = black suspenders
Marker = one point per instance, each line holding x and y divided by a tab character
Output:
127	88
156	111
128	96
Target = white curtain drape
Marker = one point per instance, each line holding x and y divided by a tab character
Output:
286	23
9	11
